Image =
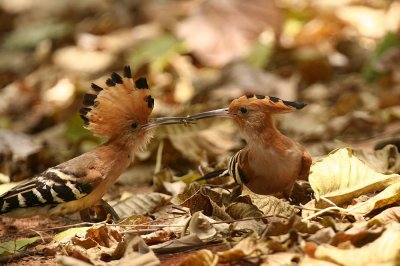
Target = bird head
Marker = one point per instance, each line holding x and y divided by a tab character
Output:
252	112
121	109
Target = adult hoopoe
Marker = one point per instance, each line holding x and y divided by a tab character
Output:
120	112
271	162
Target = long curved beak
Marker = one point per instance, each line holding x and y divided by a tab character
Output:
160	121
214	113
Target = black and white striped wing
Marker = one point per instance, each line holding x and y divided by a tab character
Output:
51	187
235	170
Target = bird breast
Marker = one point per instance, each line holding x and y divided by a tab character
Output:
273	171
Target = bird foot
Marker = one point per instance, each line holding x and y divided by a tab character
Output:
99	213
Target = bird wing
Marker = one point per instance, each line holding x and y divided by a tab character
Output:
306	162
53	186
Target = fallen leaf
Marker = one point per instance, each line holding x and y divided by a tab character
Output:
385	160
383	251
178	245
249	246
202	257
389	195
240	210
140	204
387	216
341	176
200	225
10	247
270	205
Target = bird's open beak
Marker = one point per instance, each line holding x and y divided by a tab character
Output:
214	113
155	122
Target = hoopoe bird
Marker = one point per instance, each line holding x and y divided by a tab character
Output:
270	163
120	112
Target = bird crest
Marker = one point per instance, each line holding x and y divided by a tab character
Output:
268	103
121	105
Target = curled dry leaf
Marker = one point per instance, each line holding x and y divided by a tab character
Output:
387	216
383	251
341	176
270	205
200	225
389	195
385	160
202	257
99	244
140	204
240	210
248	247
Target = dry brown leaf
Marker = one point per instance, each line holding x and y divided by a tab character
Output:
140	204
178	245
385	160
137	253
387	216
270	205
248	247
99	244
200	225
383	251
341	176
202	257
240	210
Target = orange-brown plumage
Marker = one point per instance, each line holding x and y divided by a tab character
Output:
271	162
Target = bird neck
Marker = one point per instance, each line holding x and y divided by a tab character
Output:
113	154
267	136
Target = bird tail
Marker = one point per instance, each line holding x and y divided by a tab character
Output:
122	104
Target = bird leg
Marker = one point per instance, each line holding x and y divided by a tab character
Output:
99	212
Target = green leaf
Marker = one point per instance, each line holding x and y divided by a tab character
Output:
10	247
157	52
388	41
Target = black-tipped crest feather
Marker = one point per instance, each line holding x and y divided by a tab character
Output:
88	99
141	83
110	83
116	78
127	72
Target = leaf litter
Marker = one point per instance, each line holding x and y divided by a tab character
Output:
321	53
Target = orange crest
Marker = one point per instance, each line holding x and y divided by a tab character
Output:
122	105
267	103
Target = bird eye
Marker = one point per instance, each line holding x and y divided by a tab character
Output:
243	110
134	125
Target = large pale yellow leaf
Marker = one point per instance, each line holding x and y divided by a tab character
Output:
341	176
383	251
388	196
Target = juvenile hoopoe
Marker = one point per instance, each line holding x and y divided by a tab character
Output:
120	112
271	162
